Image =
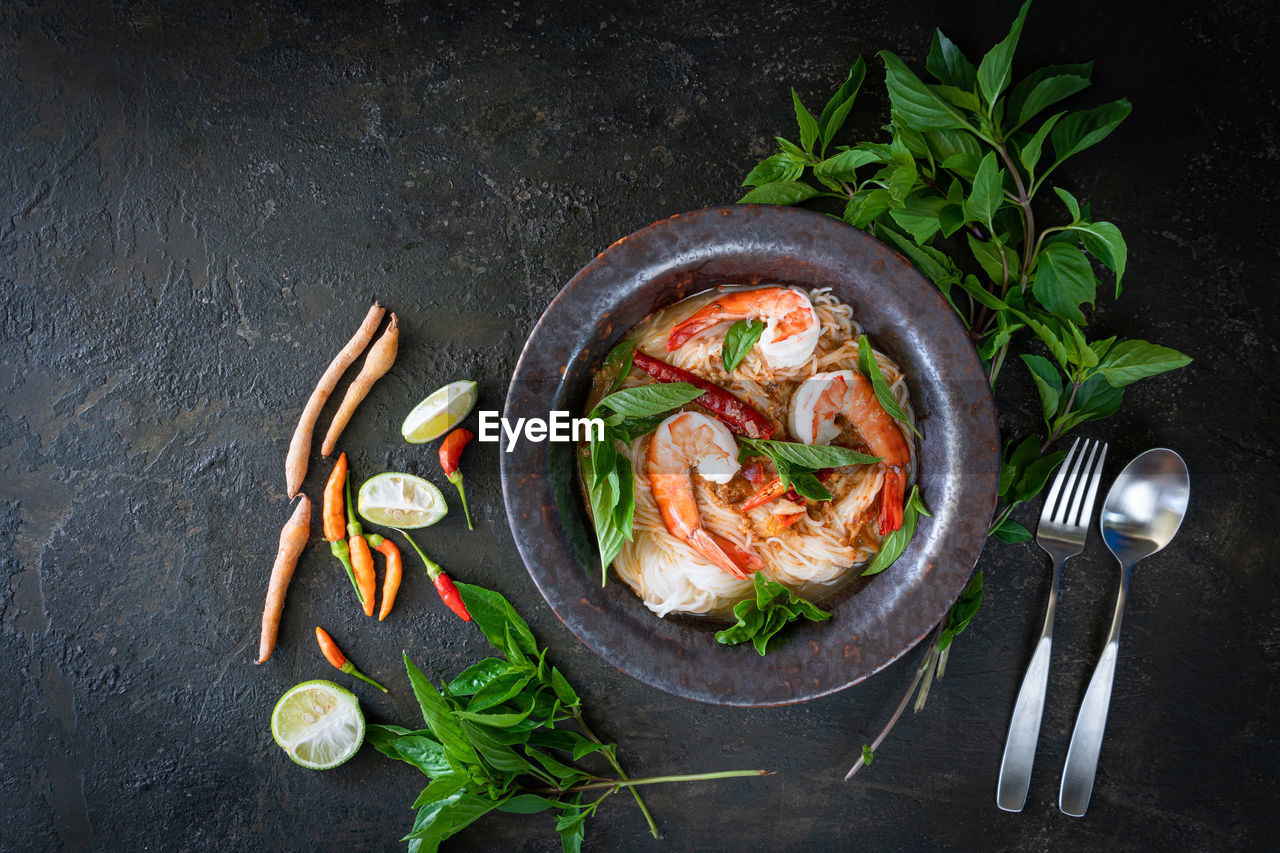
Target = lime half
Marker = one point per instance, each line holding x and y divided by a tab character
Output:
319	724
400	500
440	412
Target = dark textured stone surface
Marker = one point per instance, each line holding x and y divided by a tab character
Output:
200	200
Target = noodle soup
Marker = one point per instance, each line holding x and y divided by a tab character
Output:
802	376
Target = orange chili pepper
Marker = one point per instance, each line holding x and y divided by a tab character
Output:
335	524
334	655
391	580
362	565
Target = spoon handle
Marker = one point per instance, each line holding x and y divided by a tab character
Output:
1086	739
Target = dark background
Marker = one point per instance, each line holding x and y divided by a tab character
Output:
199	202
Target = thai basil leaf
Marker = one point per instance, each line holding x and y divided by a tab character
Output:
867	364
995	69
963	611
1019	107
1064	281
808	124
779	192
1078	131
837	109
987	193
1104	241
843	166
493	614
438	714
915	102
477	676
949	65
1029	154
782	166
1011	532
1128	361
808	486
759	619
644	400
811	456
620	356
1048	384
738	341
892	546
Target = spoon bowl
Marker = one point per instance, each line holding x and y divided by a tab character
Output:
1146	505
1143	511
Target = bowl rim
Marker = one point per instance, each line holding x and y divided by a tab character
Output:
544	546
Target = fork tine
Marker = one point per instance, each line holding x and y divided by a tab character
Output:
1087	514
1081	486
1046	514
1071	486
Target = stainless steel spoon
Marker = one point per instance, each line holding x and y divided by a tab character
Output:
1142	513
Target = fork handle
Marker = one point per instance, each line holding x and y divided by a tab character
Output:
1086	740
1024	731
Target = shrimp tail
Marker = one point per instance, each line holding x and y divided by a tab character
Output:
703	542
891	502
699	322
742	558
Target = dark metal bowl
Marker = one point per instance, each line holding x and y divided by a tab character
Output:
873	623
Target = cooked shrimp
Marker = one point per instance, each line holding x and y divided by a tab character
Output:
823	396
791	328
682	443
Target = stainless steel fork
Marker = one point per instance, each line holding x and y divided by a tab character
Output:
1063	529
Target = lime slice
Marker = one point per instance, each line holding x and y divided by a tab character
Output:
319	724
400	500
440	412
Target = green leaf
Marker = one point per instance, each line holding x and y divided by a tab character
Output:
572	828
867	755
526	804
892	546
970	285
1095	400
1033	477
963	611
837	109
1030	153
1064	281
865	206
843	166
564	691
1104	241
989	253
809	486
478	675
738	341
1046	92
1049	337
761	618
782	166
961	98
620	357
779	192
811	456
439	716
1015	460
963	164
949	65
934	264
808	124
500	689
995	69
645	400
498	755
1073	206
902	180
945	144
1128	361
1077	131
1017	104
1048	383
449	817
444	785
915	102
869	368
987	194
1011	532
493	614
920	217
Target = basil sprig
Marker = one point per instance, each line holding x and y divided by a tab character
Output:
627	415
770	610
506	734
738	341
870	369
796	463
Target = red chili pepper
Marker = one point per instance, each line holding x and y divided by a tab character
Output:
450	596
334	655
741	417
450	452
444	585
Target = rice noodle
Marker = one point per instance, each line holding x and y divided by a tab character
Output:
813	554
